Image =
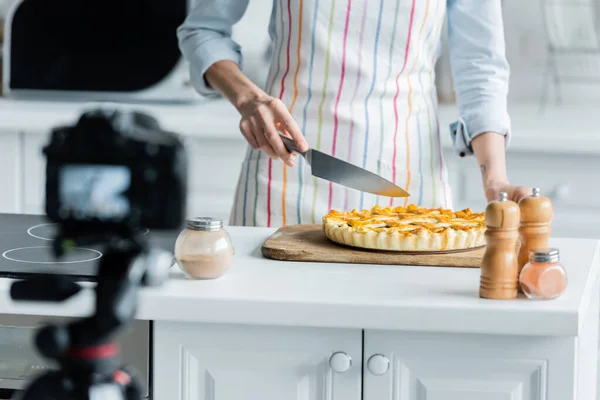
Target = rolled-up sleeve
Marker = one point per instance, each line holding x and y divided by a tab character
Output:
480	71
205	38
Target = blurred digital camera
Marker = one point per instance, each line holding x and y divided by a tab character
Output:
115	170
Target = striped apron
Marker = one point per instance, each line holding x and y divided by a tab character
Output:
358	77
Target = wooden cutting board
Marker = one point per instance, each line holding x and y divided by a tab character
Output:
308	243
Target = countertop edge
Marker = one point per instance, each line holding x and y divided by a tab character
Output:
321	297
155	307
566	324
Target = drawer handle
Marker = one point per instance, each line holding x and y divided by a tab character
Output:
378	364
340	362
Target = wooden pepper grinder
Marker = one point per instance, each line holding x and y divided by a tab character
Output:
536	215
499	267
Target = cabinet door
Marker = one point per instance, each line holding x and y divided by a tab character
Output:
451	366
228	362
12	172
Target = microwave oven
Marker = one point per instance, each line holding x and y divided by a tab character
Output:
96	50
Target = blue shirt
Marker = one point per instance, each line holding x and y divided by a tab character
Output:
480	70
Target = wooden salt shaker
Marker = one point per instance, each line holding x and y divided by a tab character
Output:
499	267
536	215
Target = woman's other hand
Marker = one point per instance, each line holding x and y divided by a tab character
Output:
515	193
262	118
262	115
491	156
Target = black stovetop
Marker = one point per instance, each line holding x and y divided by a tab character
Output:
25	250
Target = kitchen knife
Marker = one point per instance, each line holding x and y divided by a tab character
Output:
341	172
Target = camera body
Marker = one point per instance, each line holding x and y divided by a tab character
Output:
115	170
108	176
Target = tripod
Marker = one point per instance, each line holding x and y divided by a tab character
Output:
89	366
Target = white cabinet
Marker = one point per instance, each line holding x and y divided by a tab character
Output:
195	361
12	172
466	367
232	362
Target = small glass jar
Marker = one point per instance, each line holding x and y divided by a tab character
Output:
543	277
204	250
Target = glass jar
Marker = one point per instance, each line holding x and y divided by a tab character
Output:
543	277
204	250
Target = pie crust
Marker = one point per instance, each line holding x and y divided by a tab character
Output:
411	229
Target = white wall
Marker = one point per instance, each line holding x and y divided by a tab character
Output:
526	48
254	45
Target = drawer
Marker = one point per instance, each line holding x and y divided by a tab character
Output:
570	182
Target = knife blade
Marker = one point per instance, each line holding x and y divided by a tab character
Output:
343	173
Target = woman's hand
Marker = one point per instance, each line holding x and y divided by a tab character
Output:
262	117
515	193
491	156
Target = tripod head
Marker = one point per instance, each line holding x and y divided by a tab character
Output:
106	177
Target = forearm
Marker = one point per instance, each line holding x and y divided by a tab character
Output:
491	158
226	77
205	38
480	71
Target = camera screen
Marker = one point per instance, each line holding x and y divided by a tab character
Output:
95	191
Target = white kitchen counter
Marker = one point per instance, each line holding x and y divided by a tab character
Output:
561	129
363	331
266	292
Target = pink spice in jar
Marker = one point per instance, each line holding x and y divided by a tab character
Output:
543	277
204	249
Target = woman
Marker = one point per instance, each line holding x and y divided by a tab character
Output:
355	79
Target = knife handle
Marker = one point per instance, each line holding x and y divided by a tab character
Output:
290	145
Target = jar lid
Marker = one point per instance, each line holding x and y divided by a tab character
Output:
204	223
544	255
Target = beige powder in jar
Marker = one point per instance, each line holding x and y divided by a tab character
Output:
204	250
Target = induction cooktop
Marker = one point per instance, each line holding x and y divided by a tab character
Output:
25	249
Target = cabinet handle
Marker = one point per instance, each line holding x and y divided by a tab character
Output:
378	364
340	362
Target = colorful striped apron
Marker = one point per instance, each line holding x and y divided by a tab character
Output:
358	77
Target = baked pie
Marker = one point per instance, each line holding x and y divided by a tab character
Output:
409	229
